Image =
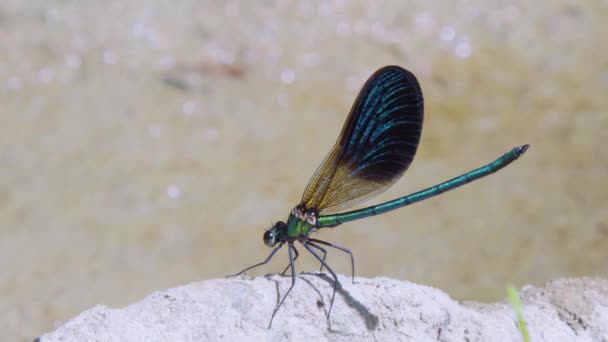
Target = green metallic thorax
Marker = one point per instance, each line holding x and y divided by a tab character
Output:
297	228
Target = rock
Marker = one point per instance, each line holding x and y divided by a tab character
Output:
372	309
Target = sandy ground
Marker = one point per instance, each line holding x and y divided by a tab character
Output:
145	144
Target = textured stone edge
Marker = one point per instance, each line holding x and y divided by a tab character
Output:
574	309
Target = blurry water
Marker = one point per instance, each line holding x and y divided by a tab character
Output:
146	144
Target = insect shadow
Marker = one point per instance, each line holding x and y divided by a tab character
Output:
371	320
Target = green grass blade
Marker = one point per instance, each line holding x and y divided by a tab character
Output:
516	304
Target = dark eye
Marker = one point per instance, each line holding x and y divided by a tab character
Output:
270	238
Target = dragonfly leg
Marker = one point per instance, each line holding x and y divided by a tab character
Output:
294	259
352	259
293	282
261	263
324	251
307	244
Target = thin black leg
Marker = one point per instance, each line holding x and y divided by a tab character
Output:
324	251
293	282
294	259
261	263
352	259
333	296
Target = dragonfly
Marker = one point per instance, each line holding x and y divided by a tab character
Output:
375	147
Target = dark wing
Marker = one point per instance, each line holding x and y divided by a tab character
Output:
377	143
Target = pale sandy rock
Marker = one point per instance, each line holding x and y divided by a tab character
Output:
372	309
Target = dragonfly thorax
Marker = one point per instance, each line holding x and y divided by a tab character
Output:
308	215
300	223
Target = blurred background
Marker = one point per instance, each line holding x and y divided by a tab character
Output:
148	144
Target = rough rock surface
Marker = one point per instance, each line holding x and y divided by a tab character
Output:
372	309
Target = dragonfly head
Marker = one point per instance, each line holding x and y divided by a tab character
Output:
273	235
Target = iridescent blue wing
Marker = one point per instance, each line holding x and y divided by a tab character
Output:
377	143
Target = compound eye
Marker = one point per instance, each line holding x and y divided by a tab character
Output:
270	238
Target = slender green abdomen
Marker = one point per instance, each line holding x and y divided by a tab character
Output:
504	160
